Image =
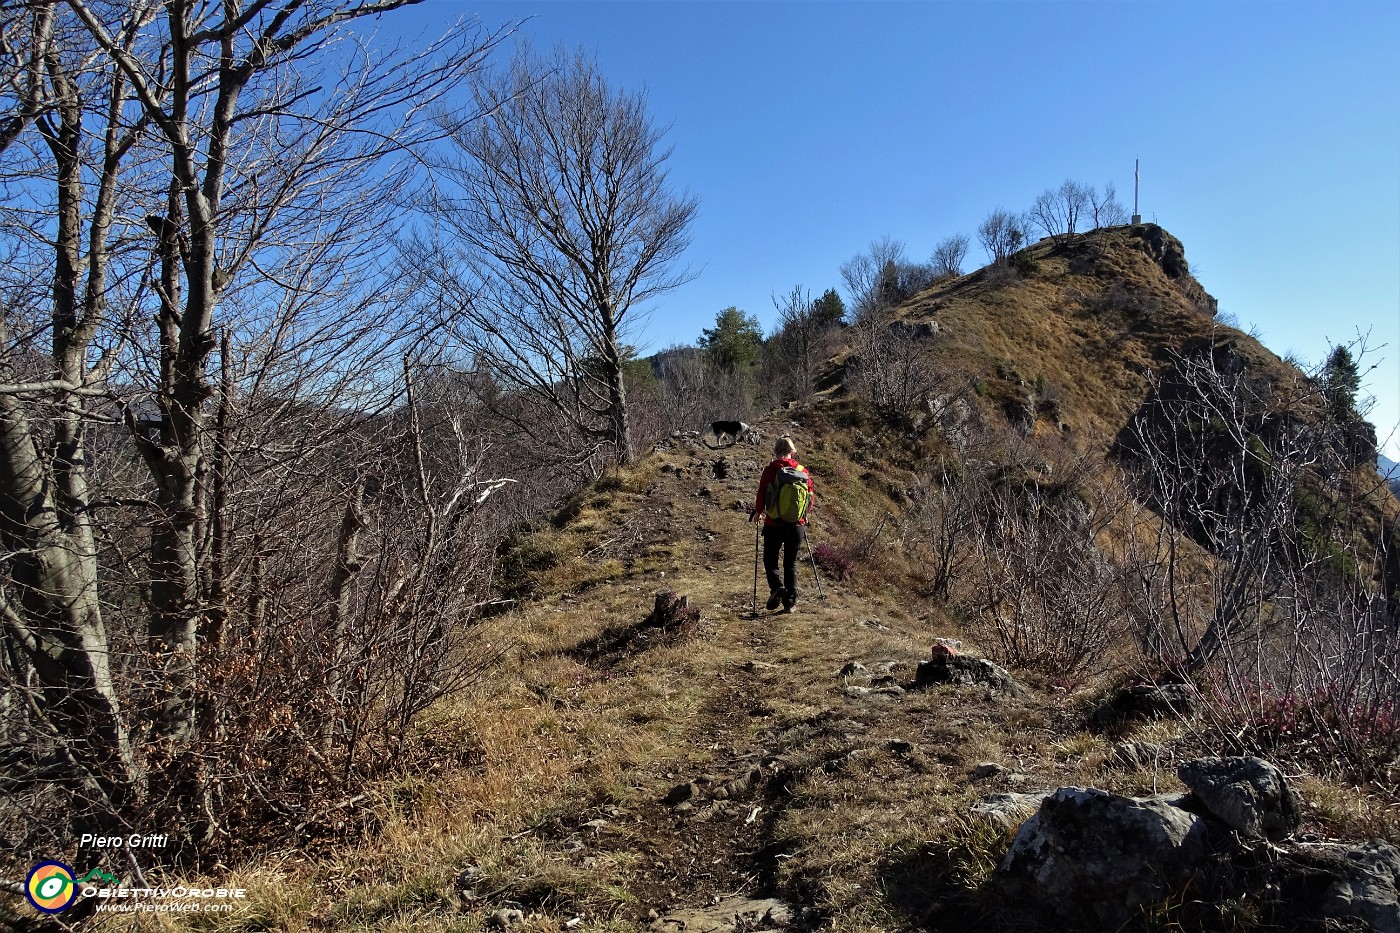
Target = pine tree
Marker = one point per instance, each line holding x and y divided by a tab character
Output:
1341	380
734	341
828	310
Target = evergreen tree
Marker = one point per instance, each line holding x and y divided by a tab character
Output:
734	341
1341	380
828	310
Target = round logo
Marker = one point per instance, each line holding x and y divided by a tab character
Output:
50	887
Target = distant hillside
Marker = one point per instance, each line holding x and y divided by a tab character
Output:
1390	470
1067	343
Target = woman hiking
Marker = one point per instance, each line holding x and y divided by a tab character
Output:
784	497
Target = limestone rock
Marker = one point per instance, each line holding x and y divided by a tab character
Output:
1147	701
945	667
1247	794
728	916
1007	811
1096	858
1367	887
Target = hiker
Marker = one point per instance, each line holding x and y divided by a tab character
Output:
784	497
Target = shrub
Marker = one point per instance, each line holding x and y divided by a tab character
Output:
835	561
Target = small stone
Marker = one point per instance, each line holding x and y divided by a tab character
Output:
1139	754
987	769
857	692
505	918
900	747
855	669
681	793
464	884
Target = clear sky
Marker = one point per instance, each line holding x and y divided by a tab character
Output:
1269	136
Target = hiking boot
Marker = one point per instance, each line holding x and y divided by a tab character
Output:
775	598
789	605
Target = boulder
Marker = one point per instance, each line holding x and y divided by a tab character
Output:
1366	887
1249	795
1006	811
1096	858
1147	701
948	667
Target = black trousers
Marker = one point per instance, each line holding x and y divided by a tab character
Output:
788	539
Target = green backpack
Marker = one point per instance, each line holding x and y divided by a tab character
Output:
788	495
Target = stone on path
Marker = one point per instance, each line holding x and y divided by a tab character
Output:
728	916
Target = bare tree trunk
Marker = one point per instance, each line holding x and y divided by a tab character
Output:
617	400
56	619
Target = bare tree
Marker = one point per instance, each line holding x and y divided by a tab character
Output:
1266	564
948	256
1001	234
1223	455
949	509
1047	598
1058	211
869	276
26	42
564	227
894	367
188	178
1105	209
794	343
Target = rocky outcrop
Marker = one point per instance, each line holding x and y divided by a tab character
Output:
1249	795
1366	886
1146	701
1089	856
1167	251
1095	860
946	666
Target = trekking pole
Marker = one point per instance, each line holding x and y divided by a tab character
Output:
815	576
757	529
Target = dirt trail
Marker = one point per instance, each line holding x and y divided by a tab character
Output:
707	823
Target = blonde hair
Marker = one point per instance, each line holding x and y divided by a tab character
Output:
784	446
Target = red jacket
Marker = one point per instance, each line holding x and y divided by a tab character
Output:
760	502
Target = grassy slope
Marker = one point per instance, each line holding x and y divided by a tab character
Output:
553	770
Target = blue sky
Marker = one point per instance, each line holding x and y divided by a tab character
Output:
1269	136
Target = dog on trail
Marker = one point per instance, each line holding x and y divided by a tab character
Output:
733	429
